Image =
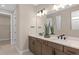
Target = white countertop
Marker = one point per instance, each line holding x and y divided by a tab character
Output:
69	41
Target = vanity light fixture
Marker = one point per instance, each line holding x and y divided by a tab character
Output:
55	7
42	12
60	6
38	13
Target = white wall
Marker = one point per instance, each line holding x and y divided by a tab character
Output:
40	24
25	17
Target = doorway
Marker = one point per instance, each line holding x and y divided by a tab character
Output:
4	28
7	28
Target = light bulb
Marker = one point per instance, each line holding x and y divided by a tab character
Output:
45	11
61	6
39	14
55	7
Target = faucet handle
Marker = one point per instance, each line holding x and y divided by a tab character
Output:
58	37
64	38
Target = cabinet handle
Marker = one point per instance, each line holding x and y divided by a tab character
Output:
71	52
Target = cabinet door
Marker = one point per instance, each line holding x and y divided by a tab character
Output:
31	44
37	47
58	52
71	51
55	45
46	50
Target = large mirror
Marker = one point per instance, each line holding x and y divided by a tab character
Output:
58	22
64	21
53	24
75	20
42	21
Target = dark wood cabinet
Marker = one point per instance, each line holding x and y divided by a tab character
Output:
71	51
58	52
58	49
56	46
46	50
38	47
42	47
32	44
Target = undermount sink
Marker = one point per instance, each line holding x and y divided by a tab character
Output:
56	37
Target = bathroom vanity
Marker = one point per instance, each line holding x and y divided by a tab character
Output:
53	46
65	21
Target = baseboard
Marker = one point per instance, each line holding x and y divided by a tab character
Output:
21	52
17	49
24	51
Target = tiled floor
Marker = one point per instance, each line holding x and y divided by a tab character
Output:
7	49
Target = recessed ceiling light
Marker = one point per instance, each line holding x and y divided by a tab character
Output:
2	5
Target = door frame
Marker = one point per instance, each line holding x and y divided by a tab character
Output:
11	18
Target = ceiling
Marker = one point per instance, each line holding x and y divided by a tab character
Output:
8	7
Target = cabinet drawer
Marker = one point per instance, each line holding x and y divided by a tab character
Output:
56	46
71	51
46	50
